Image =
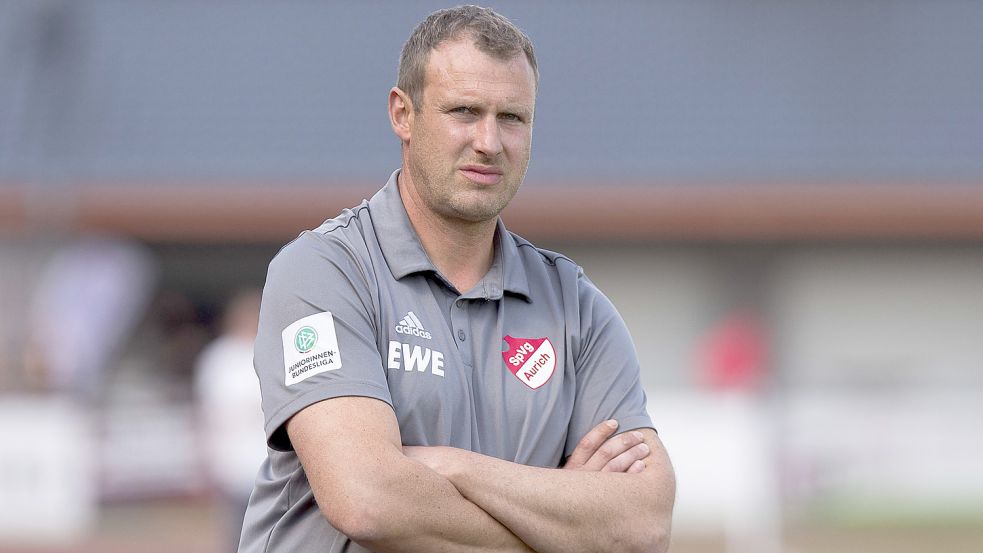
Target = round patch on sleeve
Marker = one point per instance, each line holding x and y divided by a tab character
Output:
310	347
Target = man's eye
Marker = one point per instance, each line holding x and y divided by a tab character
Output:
510	117
462	109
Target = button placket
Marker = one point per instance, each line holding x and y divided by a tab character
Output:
461	327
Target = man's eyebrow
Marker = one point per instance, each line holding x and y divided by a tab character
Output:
524	111
478	104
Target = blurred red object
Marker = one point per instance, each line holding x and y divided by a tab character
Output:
734	353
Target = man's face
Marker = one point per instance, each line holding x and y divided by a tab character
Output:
470	139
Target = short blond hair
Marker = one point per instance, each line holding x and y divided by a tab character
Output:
492	33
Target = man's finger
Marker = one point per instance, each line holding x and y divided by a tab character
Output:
612	448
625	461
590	443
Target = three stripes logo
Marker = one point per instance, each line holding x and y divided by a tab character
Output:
412	326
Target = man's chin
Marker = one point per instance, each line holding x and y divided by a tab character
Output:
476	214
478	205
475	218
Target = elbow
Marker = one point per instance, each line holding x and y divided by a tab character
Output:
361	519
650	533
357	512
634	534
362	506
654	539
655	523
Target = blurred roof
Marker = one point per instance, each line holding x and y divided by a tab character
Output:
143	94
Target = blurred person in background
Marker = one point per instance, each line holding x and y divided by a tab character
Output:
396	422
228	401
86	305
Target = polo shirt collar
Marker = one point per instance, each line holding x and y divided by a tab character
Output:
515	280
405	254
399	242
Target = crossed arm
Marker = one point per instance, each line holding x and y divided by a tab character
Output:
617	495
565	510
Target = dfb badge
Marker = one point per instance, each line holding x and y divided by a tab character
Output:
531	360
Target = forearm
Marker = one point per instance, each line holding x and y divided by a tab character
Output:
371	492
560	510
425	512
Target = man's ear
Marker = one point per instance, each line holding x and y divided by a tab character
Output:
400	113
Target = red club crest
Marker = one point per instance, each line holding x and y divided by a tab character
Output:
531	360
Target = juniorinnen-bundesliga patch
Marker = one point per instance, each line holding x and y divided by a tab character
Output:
310	347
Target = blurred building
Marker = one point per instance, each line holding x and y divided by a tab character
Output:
817	167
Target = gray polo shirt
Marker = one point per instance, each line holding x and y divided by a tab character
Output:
520	367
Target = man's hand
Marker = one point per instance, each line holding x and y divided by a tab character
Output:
599	451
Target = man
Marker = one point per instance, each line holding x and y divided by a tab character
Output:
425	372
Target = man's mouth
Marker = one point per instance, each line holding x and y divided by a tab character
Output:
482	174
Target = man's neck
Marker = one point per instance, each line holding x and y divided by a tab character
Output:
462	251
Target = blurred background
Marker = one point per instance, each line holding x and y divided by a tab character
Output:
784	200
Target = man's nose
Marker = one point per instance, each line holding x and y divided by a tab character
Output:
487	136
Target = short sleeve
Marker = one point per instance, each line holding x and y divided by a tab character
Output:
317	331
608	380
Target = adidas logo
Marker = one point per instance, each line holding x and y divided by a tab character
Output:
412	326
